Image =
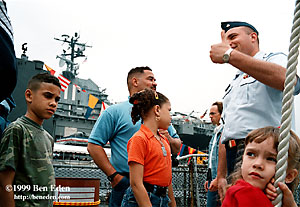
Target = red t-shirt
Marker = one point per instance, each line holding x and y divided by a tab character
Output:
145	149
243	194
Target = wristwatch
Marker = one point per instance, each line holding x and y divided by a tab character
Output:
226	55
111	177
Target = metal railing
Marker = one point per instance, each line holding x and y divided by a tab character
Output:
188	180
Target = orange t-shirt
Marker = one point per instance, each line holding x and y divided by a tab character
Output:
145	149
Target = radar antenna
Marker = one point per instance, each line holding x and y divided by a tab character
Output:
76	51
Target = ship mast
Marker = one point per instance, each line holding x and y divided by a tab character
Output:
74	51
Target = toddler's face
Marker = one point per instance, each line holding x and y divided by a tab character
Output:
259	162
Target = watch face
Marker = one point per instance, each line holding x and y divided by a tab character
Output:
226	58
111	177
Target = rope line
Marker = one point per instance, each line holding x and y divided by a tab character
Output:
287	105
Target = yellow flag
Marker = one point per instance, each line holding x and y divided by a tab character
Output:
92	101
201	159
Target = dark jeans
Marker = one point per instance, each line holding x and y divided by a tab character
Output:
234	154
212	198
118	192
156	201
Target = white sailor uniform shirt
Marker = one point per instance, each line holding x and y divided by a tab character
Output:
250	104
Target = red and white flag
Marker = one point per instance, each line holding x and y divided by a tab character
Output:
62	80
104	106
79	88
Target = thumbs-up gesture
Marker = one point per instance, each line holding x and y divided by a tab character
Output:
217	51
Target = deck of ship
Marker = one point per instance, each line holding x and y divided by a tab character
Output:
188	181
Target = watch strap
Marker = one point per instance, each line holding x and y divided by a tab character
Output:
112	176
229	51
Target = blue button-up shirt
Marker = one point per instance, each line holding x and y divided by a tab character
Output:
250	104
214	151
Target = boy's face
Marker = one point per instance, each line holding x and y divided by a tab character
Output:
259	162
42	103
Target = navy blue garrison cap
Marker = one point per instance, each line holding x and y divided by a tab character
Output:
229	25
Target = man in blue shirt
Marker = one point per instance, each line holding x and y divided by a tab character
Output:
253	99
115	126
211	184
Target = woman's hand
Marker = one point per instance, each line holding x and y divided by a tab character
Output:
288	198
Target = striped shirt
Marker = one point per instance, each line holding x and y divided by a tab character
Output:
5	21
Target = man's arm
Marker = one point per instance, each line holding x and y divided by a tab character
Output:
222	170
6	189
175	144
100	158
268	73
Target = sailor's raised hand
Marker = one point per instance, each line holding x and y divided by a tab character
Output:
223	37
217	50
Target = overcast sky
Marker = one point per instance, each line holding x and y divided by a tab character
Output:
173	37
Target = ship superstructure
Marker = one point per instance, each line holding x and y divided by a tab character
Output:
192	130
69	117
70	122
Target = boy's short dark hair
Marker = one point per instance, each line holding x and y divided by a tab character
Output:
35	81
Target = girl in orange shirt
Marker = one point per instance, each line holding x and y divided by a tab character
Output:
149	154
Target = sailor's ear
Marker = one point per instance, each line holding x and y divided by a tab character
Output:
28	95
253	36
291	175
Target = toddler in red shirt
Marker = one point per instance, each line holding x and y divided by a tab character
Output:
258	169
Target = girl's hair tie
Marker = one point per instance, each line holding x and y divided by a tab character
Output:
156	95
